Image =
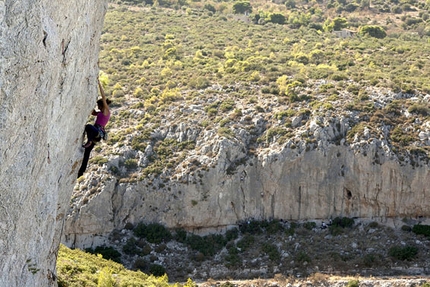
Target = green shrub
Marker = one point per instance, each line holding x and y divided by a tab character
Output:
157	270
275	132
272	251
245	242
225	132
403	253
210	7
343	222
130	163
309	225
78	268
207	245
100	160
302	257
227	105
223	122
284	114
140	264
251	227
419	109
290	231
232	258
180	235
273	226
277	18
373	31
241	7
337	24
108	253
199	83
335	230
197	242
231	234
421	229
153	232
139	142
353	89
353	283
130	247
398	135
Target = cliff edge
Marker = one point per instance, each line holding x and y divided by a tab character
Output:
48	72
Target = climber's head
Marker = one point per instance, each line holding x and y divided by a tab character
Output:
100	103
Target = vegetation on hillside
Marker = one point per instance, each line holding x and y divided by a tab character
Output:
76	268
284	248
216	66
280	61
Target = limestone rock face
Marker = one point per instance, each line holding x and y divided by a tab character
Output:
48	86
286	183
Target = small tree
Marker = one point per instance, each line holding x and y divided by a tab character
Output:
336	24
277	18
242	7
372	31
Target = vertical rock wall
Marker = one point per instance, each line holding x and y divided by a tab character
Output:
283	184
48	72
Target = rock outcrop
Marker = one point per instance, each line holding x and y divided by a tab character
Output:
48	72
285	183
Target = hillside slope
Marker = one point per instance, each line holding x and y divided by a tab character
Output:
218	119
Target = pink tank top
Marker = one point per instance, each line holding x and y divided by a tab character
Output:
102	119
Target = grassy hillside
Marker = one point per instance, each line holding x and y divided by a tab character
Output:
76	268
160	60
209	67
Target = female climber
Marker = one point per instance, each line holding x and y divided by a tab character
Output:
97	131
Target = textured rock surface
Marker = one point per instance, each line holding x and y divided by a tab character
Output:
286	184
48	54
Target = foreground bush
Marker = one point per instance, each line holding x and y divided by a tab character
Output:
76	268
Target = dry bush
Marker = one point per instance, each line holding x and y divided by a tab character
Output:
318	278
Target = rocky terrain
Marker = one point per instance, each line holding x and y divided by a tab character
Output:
322	280
284	251
330	163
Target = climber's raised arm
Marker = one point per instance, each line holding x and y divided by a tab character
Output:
105	108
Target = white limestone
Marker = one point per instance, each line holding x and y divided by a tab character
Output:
48	72
283	184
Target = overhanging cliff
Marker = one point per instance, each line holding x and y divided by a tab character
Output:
48	72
